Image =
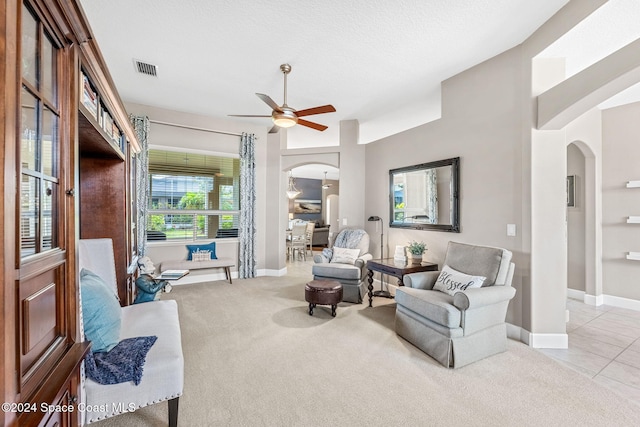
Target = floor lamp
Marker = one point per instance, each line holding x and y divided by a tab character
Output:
381	292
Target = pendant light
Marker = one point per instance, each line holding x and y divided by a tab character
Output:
292	191
325	184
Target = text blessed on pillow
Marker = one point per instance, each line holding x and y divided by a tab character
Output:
451	281
345	256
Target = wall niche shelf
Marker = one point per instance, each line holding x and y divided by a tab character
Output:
633	220
95	141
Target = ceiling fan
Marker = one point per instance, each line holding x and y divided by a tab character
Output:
285	116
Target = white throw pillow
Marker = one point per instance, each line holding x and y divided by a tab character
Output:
345	256
451	281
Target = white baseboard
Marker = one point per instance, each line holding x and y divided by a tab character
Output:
621	302
603	299
537	340
271	272
575	294
548	340
561	340
596	300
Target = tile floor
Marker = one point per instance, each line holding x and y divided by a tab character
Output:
604	344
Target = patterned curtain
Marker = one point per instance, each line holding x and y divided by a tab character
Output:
141	164
432	196
247	232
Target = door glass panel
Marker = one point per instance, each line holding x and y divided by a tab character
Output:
29	144
29	215
48	71
39	134
29	47
49	139
48	238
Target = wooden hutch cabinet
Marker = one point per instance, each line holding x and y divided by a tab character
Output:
66	174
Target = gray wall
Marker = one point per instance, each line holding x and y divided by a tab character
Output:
481	124
620	164
576	221
311	190
511	172
352	167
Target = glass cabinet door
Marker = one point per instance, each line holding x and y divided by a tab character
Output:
39	139
42	321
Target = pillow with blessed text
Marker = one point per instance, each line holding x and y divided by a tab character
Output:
451	281
344	255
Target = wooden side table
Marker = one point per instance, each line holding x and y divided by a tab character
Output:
396	269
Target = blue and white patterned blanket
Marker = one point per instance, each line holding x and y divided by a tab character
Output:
348	239
122	363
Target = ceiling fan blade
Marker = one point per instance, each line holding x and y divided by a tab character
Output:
245	115
270	102
316	110
312	125
274	129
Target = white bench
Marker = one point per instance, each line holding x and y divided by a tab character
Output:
225	263
163	377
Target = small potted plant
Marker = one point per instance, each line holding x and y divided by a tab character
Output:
416	249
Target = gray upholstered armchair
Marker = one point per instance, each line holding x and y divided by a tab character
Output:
347	268
465	327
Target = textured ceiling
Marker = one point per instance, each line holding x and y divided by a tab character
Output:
378	61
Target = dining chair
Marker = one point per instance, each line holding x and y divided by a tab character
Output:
311	226
297	242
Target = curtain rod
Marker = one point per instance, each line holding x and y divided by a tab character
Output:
158	122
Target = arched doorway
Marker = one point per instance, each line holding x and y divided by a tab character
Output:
583	232
317	202
315	182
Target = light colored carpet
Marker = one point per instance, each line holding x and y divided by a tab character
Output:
254	357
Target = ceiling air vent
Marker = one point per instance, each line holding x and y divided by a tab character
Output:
144	68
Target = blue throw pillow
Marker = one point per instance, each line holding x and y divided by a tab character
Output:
210	247
101	312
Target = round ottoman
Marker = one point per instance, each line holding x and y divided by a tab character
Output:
323	292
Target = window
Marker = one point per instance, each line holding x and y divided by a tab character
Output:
192	196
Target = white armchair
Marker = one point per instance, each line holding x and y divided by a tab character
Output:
465	327
351	272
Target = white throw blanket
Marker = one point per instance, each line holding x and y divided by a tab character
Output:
349	239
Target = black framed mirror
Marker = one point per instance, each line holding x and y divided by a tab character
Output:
425	196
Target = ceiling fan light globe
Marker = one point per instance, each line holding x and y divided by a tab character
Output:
284	119
284	123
